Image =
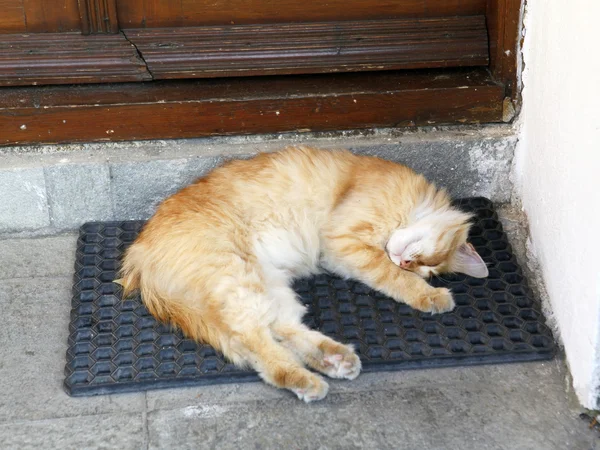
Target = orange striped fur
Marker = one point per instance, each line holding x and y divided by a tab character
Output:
217	258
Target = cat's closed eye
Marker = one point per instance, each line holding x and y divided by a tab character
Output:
421	268
436	246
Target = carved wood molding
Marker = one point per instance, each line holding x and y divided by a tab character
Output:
66	58
98	16
305	48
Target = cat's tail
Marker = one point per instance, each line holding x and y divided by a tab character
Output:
164	309
131	282
202	323
130	275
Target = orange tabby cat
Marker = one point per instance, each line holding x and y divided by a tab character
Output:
217	259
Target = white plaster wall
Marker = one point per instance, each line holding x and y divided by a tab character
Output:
558	172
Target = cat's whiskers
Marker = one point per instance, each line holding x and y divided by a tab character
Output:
442	278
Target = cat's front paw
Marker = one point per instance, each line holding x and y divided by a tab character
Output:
437	300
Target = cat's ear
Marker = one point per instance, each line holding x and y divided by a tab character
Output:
468	261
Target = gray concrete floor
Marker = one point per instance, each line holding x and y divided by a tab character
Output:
520	406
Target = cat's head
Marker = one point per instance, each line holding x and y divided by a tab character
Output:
435	242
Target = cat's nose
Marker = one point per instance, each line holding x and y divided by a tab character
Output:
404	263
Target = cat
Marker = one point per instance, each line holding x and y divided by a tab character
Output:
217	258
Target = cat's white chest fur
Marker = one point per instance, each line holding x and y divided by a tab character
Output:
291	253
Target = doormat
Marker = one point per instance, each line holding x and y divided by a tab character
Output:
115	345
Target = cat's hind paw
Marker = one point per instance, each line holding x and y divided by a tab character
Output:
345	364
438	300
317	390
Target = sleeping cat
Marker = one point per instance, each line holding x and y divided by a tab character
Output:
217	259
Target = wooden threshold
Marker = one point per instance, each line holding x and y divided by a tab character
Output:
207	107
303	48
65	58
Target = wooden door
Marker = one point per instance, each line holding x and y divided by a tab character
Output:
410	62
205	39
225	38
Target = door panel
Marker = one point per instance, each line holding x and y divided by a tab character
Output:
180	13
39	16
12	18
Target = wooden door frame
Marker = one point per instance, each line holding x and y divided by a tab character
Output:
504	26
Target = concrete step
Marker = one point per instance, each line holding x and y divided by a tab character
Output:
51	189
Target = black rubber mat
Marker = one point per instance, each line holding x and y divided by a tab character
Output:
116	346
